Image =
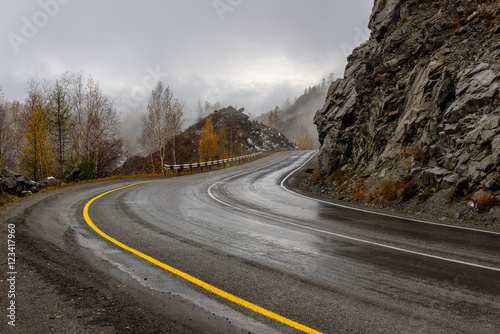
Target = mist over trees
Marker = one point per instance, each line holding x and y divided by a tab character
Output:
295	119
205	109
71	123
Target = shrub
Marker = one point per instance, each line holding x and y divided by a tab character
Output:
426	193
359	191
456	195
486	202
409	188
389	190
318	176
339	178
419	155
87	166
7	198
381	5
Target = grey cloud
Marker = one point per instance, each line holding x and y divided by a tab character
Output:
260	53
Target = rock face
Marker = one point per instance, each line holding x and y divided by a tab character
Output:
420	97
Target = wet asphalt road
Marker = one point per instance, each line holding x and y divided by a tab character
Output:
327	267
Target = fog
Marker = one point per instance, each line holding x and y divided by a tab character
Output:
252	54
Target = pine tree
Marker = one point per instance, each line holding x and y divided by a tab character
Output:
275	118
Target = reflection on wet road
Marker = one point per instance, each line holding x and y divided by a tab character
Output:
331	268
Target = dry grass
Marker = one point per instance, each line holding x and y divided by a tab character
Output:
339	178
359	191
318	176
486	202
389	190
381	5
7	198
456	195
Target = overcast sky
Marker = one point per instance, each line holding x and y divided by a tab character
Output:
249	53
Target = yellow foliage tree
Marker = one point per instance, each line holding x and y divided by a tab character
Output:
223	144
208	148
36	152
305	141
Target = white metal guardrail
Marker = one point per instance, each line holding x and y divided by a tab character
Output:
209	164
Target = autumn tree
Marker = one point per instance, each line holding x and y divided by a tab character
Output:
174	123
13	134
305	141
101	146
240	134
36	151
77	93
274	119
208	147
147	139
223	144
162	122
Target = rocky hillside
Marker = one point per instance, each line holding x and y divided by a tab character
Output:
241	136
255	136
301	112
419	102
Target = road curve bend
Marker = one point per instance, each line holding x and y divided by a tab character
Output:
243	253
293	264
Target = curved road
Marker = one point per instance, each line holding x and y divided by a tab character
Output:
294	264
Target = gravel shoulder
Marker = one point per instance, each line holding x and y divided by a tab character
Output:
435	209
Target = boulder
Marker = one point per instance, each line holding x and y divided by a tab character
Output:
9	184
7	172
49	182
74	176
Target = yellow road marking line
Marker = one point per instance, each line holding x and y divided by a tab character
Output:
190	278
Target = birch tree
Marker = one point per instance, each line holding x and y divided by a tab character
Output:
175	122
101	144
13	134
77	100
4	129
162	122
60	121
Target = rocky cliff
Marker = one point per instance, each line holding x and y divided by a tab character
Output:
419	100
